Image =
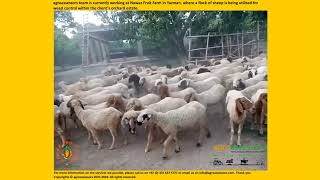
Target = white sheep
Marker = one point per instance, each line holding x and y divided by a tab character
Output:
174	79
199	86
94	120
67	115
142	101
239	83
99	97
249	91
237	105
89	92
171	122
211	96
71	88
183	94
166	104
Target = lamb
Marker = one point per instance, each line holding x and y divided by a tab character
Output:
259	109
199	86
94	120
58	118
237	105
249	91
183	94
135	103
212	96
171	122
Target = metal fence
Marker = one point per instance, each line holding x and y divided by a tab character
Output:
218	46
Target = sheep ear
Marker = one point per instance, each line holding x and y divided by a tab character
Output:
81	104
239	106
189	97
263	98
246	103
69	103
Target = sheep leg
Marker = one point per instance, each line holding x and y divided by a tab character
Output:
123	134
177	148
63	139
90	137
254	117
75	122
113	134
150	138
95	136
165	147
200	136
231	132
239	133
65	122
261	123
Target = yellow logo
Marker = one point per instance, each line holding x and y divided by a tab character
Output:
221	148
68	153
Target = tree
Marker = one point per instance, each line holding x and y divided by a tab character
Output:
165	31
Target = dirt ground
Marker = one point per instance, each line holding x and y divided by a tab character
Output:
132	156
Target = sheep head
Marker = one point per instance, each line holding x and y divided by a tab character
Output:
239	85
190	97
134	80
243	104
145	116
142	81
134	104
184	83
250	75
163	91
74	102
116	102
130	119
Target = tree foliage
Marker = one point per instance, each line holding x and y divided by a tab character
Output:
165	30
162	32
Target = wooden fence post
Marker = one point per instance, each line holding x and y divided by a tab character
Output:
257	38
222	46
238	45
206	58
228	48
242	39
189	56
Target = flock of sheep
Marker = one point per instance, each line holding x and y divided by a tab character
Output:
165	100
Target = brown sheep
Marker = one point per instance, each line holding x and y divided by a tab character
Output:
259	109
